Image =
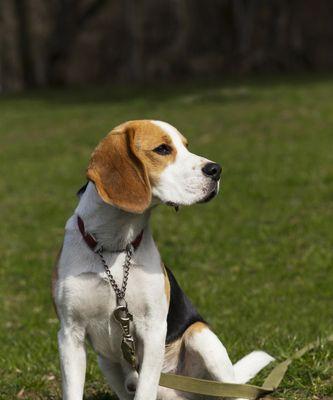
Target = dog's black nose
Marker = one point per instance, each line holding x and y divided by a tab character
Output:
212	170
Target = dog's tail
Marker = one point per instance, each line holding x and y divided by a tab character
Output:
248	367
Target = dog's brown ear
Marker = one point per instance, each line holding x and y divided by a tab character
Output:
119	175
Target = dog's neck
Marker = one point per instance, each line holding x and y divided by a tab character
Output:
112	227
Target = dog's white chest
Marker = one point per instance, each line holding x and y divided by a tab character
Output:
92	300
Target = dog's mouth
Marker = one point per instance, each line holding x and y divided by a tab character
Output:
205	199
209	196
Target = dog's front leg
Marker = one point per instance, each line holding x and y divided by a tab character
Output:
153	340
73	362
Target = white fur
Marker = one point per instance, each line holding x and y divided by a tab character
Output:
182	182
85	301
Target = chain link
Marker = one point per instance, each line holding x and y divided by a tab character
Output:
120	292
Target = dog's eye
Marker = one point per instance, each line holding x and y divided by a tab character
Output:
163	150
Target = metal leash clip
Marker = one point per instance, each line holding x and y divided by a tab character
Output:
123	316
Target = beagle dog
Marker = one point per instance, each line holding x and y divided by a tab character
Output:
137	166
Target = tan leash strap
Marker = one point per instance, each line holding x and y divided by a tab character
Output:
212	388
275	377
220	389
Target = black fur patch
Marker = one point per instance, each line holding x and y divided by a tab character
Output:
82	190
182	312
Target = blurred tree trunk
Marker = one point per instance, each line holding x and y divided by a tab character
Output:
24	43
177	49
69	22
243	16
134	13
60	41
2	50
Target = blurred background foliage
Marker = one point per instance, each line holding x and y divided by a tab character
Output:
61	42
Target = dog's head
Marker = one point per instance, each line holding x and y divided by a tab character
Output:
144	162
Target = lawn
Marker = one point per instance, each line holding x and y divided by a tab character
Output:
257	261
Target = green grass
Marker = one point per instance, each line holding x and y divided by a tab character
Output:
257	261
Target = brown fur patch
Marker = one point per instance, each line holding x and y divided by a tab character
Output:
119	173
124	166
148	137
197	327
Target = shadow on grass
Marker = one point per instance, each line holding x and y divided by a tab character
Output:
101	395
164	91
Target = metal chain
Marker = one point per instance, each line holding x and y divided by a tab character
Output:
120	292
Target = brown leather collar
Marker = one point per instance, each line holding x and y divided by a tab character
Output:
92	242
